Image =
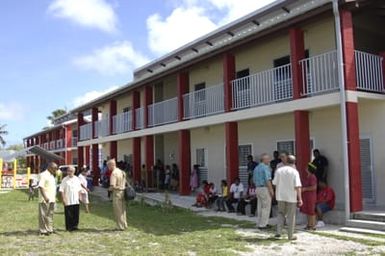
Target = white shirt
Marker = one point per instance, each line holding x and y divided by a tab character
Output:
48	183
83	181
71	188
286	179
236	190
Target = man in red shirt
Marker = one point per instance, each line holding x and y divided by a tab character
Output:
325	201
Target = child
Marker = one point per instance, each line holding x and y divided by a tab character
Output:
223	197
31	187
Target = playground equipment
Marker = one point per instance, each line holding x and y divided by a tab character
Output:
13	176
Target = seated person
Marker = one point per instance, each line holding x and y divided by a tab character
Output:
249	198
236	193
325	201
212	195
222	197
202	197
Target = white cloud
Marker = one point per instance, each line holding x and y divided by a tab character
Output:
91	95
191	19
88	13
117	58
11	111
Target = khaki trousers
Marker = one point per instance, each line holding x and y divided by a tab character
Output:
46	211
286	210
263	206
119	206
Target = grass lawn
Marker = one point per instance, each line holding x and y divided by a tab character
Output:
152	230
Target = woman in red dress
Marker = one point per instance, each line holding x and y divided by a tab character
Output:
309	196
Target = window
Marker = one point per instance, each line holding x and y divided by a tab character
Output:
289	146
126	109
282	78
201	160
242	88
243	152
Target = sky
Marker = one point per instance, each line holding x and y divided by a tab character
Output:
63	53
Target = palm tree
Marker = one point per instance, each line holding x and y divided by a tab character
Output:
55	114
2	133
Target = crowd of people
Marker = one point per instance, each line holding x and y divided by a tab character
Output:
273	183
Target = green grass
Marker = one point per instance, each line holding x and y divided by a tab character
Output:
364	241
153	230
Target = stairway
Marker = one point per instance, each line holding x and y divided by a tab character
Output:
366	222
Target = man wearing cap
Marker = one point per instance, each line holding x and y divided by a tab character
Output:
288	194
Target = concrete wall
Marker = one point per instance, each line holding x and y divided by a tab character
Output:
320	36
371	127
123	101
169	87
124	148
170	152
209	72
213	140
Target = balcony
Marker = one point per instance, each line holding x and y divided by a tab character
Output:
86	131
102	127
139	118
52	145
266	87
122	123
369	72
164	112
74	141
205	102
59	143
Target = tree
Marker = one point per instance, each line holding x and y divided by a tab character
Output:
2	133
16	147
55	114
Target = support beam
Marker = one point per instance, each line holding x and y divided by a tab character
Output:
149	149
80	149
68	144
302	140
135	105
182	88
184	162
228	76
95	164
114	150
148	99
136	155
94	118
113	111
297	53
348	50
232	158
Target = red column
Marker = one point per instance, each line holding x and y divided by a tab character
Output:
352	121
80	149
148	98
182	88
135	105
228	76
95	164
87	158
68	144
297	53
94	118
232	161
149	147
113	144
136	155
184	162
382	54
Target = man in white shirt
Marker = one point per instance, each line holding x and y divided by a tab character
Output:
288	194
70	189
47	199
236	193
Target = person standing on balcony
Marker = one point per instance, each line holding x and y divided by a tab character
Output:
117	187
321	164
262	180
251	164
47	199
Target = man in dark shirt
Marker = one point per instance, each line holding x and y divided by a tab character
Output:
251	164
321	163
273	163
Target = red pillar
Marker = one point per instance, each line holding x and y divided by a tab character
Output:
80	149
148	98
301	118
352	121
95	164
149	147
135	105
184	162
68	144
114	150
228	76
136	155
94	118
232	161
182	88
87	160
113	144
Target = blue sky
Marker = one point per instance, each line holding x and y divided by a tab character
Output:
62	53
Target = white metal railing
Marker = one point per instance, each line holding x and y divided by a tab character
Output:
265	87
60	143
139	118
46	146
369	71
86	131
163	112
102	127
74	141
52	145
122	122
320	73
204	102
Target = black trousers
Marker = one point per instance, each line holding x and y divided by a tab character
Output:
71	213
242	205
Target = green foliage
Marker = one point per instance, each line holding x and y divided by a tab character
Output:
55	114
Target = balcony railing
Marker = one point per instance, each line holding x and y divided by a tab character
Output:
320	73
74	141
52	145
262	88
102	127
59	143
122	123
163	112
46	146
86	131
204	102
369	72
139	118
